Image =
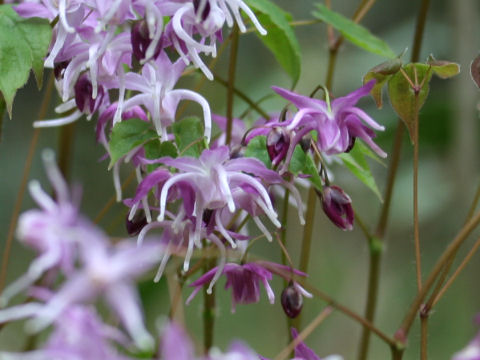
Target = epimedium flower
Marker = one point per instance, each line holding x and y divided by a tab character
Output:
105	271
205	19
207	183
245	280
78	334
337	123
54	231
155	87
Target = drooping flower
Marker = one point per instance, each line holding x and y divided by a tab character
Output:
245	280
337	123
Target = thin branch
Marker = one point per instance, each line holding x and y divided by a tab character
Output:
242	96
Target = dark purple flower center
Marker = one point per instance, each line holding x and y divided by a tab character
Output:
278	142
136	225
206	8
84	95
140	39
59	69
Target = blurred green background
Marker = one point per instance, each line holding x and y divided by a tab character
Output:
449	174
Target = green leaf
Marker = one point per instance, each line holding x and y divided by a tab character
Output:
38	34
298	161
365	150
353	32
402	97
126	136
189	136
443	69
280	38
381	73
155	149
257	148
23	45
357	164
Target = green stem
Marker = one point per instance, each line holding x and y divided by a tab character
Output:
375	259
231	82
209	311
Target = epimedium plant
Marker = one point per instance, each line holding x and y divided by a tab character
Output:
204	184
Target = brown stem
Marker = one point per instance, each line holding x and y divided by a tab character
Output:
441	262
434	299
384	214
416	233
23	183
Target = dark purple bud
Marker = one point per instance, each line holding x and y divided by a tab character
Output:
306	143
278	142
59	69
337	205
292	301
351	144
84	95
140	38
203	6
136	225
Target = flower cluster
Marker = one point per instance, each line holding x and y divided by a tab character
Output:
120	61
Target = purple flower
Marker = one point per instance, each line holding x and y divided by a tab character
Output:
54	231
337	123
175	344
107	272
245	281
204	19
78	334
337	205
303	352
237	350
156	93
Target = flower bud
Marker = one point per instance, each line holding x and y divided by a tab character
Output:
136	225
337	205
84	95
140	39
292	301
278	142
